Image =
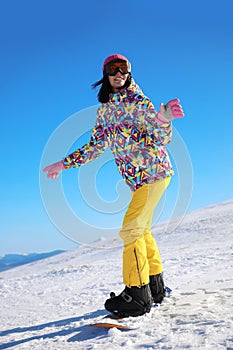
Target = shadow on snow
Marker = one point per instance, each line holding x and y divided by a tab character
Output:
84	332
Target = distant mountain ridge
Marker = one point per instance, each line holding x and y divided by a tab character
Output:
10	261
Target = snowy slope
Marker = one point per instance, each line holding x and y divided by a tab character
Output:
49	304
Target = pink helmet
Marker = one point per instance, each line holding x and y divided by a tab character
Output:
115	57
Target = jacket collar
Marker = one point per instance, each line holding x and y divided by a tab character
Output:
126	93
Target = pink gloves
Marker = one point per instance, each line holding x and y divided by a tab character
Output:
54	169
170	111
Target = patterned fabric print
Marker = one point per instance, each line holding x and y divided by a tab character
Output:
127	124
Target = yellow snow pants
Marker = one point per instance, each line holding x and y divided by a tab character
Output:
141	257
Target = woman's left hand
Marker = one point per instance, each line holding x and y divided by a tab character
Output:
170	110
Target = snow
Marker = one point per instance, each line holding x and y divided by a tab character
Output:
49	304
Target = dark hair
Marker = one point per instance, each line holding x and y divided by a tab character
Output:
106	88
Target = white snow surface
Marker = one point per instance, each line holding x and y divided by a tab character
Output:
50	304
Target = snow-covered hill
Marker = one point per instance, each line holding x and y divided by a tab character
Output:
49	304
10	261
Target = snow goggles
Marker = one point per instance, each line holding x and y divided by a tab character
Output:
112	68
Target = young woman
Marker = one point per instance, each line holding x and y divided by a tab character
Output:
128	123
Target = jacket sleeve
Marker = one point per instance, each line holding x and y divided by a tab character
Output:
90	151
160	132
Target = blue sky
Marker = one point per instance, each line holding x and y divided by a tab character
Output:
51	53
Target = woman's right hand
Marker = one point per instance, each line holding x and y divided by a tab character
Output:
54	169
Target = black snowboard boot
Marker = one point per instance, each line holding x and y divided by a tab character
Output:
157	288
132	301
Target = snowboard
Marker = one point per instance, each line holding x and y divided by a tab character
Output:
117	318
111	325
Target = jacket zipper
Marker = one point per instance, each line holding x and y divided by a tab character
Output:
139	275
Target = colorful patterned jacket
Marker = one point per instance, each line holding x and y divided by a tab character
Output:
128	125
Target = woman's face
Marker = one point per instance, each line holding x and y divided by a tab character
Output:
117	81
